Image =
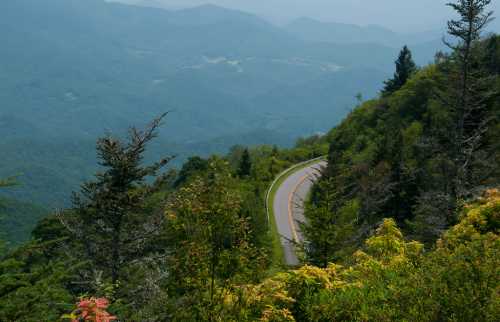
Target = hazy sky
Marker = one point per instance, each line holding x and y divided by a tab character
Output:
401	15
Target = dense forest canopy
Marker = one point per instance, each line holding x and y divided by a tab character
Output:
420	152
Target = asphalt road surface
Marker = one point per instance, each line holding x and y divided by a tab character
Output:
288	206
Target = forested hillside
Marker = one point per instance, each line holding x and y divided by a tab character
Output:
417	154
403	225
75	68
17	219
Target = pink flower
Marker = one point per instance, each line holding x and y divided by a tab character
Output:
102	303
94	310
84	304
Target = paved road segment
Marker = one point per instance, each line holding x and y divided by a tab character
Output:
288	207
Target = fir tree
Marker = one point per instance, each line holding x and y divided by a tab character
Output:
245	166
469	90
110	214
329	231
405	68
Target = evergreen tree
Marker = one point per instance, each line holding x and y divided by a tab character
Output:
493	54
460	158
468	90
328	231
245	166
405	68
110	215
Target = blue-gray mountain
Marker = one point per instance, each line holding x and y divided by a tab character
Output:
72	69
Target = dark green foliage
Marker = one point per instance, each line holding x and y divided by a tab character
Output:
469	88
329	234
17	219
492	56
405	68
36	282
192	167
110	216
35	295
245	166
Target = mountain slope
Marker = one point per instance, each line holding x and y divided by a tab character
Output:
73	69
17	220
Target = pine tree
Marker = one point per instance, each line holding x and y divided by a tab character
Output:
469	90
458	154
329	229
245	166
405	68
110	215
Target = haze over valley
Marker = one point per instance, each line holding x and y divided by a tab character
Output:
75	68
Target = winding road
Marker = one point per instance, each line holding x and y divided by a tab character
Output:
288	207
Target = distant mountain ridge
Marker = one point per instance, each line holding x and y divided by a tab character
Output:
316	31
73	69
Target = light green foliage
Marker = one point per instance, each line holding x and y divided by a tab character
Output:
209	245
394	280
397	155
231	225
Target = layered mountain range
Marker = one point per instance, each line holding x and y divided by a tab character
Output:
73	70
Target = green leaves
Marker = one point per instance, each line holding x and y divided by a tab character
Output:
209	242
395	280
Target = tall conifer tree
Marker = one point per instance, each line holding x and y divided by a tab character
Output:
245	166
110	215
469	89
405	68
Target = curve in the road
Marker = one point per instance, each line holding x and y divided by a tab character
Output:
288	207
